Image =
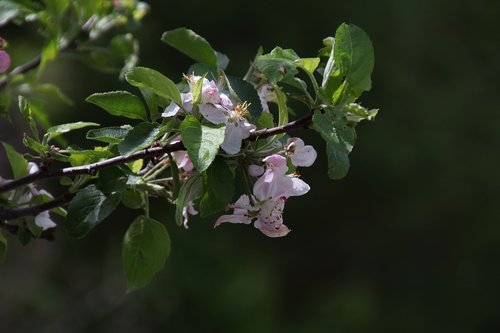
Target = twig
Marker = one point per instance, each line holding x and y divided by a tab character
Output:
303	122
13	213
90	169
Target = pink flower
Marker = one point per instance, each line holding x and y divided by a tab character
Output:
270	192
217	108
173	109
300	154
4	61
270	219
182	160
274	184
241	209
255	170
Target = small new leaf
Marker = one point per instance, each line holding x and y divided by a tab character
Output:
146	247
18	163
55	131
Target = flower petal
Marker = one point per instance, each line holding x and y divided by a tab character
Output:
255	170
215	114
43	220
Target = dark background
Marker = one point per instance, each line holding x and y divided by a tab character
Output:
408	242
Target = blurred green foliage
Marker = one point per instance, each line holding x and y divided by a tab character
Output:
408	242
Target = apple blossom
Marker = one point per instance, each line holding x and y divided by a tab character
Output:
300	154
270	193
188	209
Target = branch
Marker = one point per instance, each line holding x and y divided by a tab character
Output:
303	122
13	213
91	169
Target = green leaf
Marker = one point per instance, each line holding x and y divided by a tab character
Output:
197	90
278	64
357	113
190	190
55	131
339	141
132	199
81	157
25	109
354	57
192	45
34	145
265	120
87	209
152	101
146	247
308	64
282	111
3	247
18	163
201	141
159	84
120	103
112	180
140	137
109	134
218	187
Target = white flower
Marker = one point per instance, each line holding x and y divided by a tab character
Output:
300	154
266	94
44	221
173	109
188	209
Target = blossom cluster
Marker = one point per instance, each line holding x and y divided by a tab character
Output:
216	107
272	189
273	183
